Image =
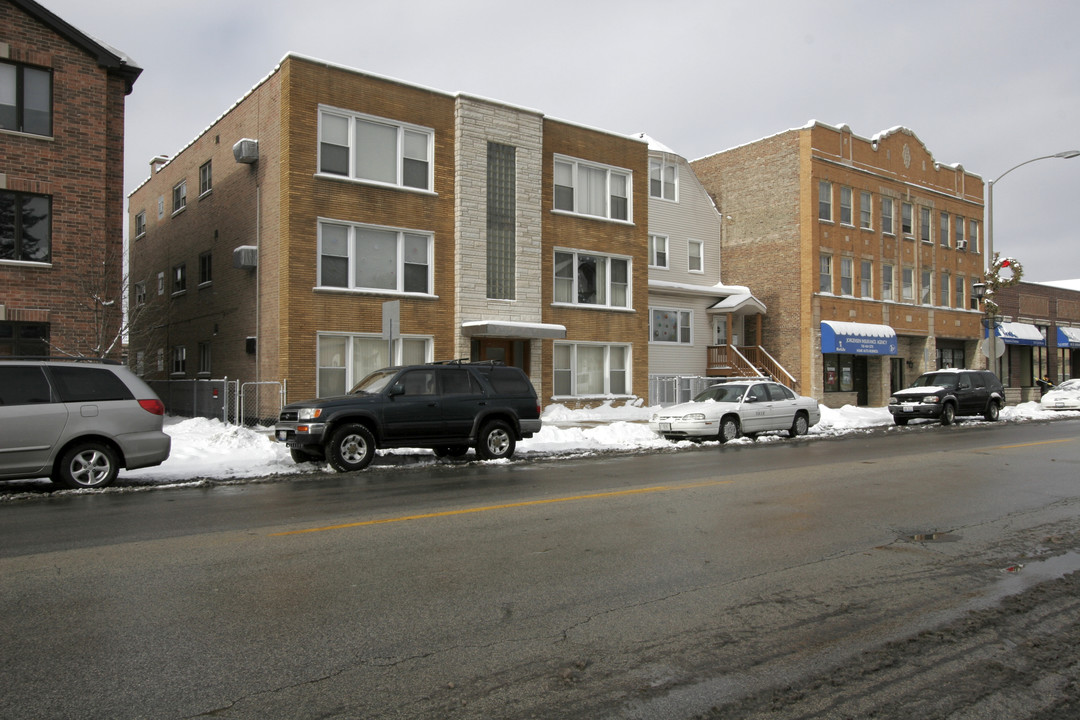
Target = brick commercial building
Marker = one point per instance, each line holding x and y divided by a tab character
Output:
863	250
333	222
61	186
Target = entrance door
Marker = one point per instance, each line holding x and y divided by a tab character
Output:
514	353
859	375
896	381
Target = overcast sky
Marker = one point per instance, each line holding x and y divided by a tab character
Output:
987	84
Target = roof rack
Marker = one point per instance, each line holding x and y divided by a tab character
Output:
61	358
465	361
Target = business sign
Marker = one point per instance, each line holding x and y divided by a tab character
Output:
845	338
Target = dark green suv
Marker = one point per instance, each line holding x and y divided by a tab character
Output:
448	407
946	394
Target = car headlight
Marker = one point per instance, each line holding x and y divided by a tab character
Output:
655	418
694	416
894	401
310	413
931	399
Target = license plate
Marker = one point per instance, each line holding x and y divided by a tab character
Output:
664	427
908	408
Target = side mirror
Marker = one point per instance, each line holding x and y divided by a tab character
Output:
396	389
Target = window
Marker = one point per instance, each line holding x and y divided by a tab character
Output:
695	250
658	251
179	196
847	271
906	218
926	295
825	274
944	295
161	283
344	359
866	210
663	179
596	190
887	279
958	233
924	225
959	286
140	363
908	284
25	99
582	369
973	235
375	150
179	283
204	358
206	268
590	279
179	360
161	360
140	224
845	206
943	229
866	279
25	227
670	326
824	211
140	294
887	216
359	257
501	221
206	180
23	338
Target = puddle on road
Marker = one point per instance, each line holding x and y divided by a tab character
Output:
933	537
1019	577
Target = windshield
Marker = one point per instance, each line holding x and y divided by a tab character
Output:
732	392
1072	385
374	382
946	380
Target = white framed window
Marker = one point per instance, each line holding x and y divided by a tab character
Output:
591	369
866	279
825	274
944	294
887	207
926	296
907	218
958	233
179	360
924	225
206	179
585	278
658	251
364	257
140	224
887	279
866	210
179	196
845	206
375	150
847	275
140	294
958	286
825	200
943	229
973	235
695	256
907	284
179	284
663	180
585	188
671	325
345	359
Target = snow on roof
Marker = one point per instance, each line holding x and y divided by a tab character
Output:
1063	284
655	145
717	289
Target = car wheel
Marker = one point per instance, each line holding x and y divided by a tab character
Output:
87	465
496	441
450	451
303	456
948	414
799	426
351	448
729	429
900	420
992	411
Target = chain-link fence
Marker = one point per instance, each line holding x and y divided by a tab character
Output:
261	402
199	398
674	389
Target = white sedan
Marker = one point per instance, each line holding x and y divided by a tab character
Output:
1065	396
724	412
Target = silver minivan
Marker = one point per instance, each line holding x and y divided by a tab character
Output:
77	422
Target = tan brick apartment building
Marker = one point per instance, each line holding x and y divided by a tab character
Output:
863	250
61	186
270	247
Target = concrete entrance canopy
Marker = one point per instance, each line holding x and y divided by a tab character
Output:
510	329
850	338
1014	333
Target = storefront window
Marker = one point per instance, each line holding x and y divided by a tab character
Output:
839	373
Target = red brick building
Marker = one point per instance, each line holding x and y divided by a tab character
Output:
61	186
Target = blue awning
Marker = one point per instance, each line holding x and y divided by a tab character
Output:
848	338
1068	337
1021	334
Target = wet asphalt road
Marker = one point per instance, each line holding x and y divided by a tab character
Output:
646	585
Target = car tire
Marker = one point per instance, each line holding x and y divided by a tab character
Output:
948	414
900	420
351	448
87	465
496	441
729	429
799	426
993	411
455	451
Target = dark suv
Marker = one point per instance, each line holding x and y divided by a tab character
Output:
77	421
448	407
945	394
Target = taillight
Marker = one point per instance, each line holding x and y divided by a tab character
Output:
154	407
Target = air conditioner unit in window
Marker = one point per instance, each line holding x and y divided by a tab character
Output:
961	244
245	256
246	151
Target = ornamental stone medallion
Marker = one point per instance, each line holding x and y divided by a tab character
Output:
907	156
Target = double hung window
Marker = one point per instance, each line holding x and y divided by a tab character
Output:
25	99
943	229
375	150
866	210
663	179
847	271
671	326
361	257
866	279
658	251
25	227
179	196
587	189
906	218
924	224
845	206
887	279
206	178
825	200
583	278
825	274
887	216
346	359
582	369
695	250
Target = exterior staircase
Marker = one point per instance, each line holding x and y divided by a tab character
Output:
747	361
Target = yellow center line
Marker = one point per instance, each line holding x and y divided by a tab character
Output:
1030	444
508	506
